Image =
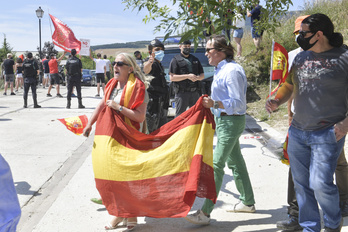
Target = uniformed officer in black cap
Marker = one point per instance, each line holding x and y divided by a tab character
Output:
158	90
74	70
186	72
30	72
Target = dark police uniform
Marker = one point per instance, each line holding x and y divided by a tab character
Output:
186	91
158	90
30	68
73	67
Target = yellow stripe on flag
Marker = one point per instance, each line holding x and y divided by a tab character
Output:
113	161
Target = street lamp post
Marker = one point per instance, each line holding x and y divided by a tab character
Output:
39	14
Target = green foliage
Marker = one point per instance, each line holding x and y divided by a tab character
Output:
48	49
5	48
193	13
137	44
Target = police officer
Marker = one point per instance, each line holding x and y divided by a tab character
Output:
74	69
186	72
30	72
158	90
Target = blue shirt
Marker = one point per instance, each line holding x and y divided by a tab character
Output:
229	86
255	14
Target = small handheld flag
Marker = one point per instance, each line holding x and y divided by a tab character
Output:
279	66
75	124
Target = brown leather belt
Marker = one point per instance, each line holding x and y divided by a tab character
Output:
224	114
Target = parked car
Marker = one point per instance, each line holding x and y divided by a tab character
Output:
87	77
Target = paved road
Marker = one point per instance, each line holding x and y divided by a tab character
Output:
53	173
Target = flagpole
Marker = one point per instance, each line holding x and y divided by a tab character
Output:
50	23
271	74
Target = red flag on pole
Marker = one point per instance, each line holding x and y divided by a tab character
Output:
64	37
279	66
75	124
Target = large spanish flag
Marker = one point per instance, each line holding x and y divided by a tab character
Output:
158	174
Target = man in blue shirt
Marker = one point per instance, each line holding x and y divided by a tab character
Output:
228	103
254	15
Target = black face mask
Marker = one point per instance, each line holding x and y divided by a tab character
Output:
186	51
304	42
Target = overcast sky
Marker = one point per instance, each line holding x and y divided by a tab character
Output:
103	22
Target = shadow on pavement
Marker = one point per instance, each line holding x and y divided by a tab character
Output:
23	188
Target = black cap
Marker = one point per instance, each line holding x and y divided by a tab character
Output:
136	53
156	43
30	55
73	51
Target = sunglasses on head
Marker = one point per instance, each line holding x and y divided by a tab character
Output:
304	33
119	63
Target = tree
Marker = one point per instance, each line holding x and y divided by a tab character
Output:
4	50
193	13
48	49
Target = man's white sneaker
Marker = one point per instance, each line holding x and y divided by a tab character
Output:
198	218
240	207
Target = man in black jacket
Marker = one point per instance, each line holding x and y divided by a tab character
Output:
185	72
74	69
157	108
30	72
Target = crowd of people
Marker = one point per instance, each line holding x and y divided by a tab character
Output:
317	86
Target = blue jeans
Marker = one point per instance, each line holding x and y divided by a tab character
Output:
313	157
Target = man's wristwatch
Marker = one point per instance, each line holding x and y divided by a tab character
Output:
120	109
216	105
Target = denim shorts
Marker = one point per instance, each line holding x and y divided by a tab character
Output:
255	33
238	33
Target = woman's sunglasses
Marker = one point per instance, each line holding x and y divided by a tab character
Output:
119	63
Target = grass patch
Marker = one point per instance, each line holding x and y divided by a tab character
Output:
256	100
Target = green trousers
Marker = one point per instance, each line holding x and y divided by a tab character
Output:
227	150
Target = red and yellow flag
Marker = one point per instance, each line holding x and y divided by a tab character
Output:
75	124
280	62
64	37
159	174
279	66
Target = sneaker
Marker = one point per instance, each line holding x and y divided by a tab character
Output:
240	207
49	95
290	224
13	93
344	208
5	93
59	95
16	90
97	95
37	106
73	95
198	218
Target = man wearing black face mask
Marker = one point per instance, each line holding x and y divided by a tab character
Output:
318	79
185	72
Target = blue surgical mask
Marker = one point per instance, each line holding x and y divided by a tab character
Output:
159	55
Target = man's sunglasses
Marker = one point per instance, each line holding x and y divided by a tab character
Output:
207	50
119	63
304	33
